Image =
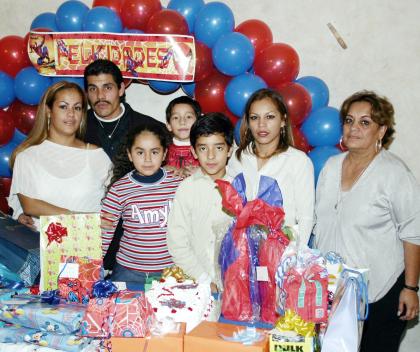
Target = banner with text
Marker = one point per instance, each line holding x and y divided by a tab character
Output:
139	56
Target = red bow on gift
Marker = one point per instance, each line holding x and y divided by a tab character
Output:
55	232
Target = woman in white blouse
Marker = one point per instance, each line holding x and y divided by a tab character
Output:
266	150
54	171
368	211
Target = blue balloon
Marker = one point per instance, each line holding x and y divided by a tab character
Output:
7	90
78	80
187	8
5	153
213	20
45	20
237	132
239	89
318	90
164	87
69	16
323	127
319	157
188	88
30	85
18	137
102	19
233	54
133	30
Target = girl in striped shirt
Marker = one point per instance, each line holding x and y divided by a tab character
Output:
141	193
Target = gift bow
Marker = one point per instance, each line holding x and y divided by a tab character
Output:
176	272
293	322
55	232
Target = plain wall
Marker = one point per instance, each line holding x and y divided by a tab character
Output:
383	39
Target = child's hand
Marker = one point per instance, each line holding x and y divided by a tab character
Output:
26	220
106	223
214	288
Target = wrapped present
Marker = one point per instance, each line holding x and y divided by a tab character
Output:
75	285
14	334
67	235
123	314
206	337
254	243
280	342
60	318
173	342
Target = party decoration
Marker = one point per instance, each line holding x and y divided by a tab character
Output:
55	232
293	322
214	19
30	86
137	13
18	137
317	89
114	5
164	87
7	127
102	19
7	91
69	16
167	22
233	54
299	140
323	127
239	89
277	64
237	132
320	155
5	184
45	20
233	118
258	32
13	55
78	80
210	92
5	153
23	115
187	8
297	100
132	30
169	57
203	61
188	88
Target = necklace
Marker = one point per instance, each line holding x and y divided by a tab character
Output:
112	133
341	196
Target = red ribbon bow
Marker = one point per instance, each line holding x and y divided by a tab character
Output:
56	232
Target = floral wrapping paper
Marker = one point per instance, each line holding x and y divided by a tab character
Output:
60	318
67	235
14	334
124	314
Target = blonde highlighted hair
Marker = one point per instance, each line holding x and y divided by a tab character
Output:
39	132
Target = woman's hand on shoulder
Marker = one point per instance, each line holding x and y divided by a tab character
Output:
408	304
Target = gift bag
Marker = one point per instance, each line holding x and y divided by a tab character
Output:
240	248
349	306
67	235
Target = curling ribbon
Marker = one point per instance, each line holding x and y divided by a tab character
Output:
103	289
293	322
55	232
50	297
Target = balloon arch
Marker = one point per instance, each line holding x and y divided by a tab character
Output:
231	63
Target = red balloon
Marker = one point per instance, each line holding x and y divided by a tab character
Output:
297	100
136	13
257	32
167	22
5	183
14	54
300	141
112	4
203	61
4	207
277	64
210	92
23	115
233	118
7	127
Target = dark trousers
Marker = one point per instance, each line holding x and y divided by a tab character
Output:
383	329
109	259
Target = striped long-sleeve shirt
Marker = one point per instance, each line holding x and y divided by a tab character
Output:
144	208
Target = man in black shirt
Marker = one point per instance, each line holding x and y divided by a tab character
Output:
109	120
110	117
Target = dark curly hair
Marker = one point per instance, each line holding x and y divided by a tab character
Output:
382	112
122	164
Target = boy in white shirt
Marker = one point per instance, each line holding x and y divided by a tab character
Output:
197	212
